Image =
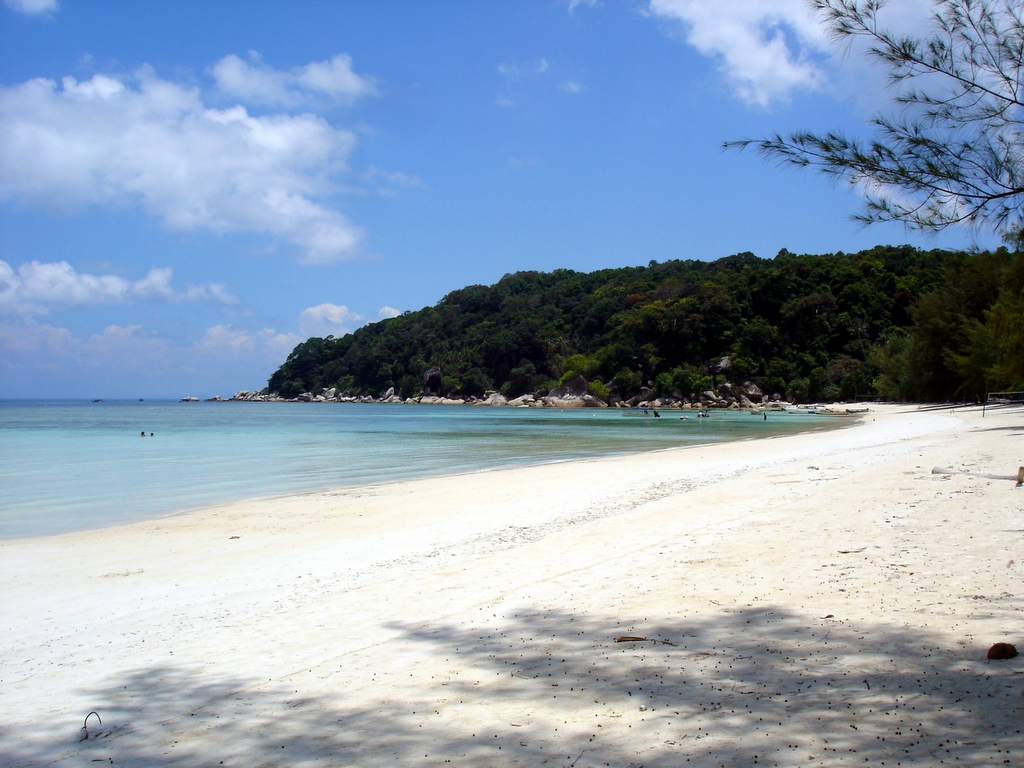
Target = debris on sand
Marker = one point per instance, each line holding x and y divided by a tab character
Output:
1001	652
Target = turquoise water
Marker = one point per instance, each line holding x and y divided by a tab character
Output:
75	465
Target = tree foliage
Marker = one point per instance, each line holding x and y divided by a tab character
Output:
892	321
953	151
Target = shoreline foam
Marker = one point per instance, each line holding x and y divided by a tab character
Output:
466	618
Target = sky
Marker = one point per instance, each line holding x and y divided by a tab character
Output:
189	189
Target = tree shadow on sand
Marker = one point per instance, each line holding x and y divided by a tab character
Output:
759	685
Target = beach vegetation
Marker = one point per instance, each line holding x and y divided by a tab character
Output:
894	322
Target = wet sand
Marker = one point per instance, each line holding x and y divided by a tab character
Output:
818	599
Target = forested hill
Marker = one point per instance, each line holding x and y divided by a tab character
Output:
895	322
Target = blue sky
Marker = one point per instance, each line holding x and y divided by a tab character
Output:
189	189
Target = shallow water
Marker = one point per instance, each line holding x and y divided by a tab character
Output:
71	465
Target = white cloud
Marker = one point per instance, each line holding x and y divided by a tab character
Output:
38	288
574	3
226	337
32	7
526	69
388	182
39	343
503	101
125	346
386	311
110	141
767	48
571	86
276	346
328	320
39	359
254	82
770	49
221	340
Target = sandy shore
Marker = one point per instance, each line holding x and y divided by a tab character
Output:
820	599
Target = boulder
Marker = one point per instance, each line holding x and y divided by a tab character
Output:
493	398
568	402
722	365
589	401
189	400
305	397
432	381
572	388
215	399
540	394
522	400
744	400
388	393
709	395
752	389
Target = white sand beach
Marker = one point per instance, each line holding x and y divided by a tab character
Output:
818	599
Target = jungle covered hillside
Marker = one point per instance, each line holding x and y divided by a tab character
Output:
891	322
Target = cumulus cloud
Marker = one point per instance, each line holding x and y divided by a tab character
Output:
767	48
36	357
386	312
254	82
111	140
221	340
32	7
770	49
328	320
37	288
40	344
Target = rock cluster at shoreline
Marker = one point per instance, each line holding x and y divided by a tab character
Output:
572	394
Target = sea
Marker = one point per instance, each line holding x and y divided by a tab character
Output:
75	465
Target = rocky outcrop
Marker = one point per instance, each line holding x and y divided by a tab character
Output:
432	382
